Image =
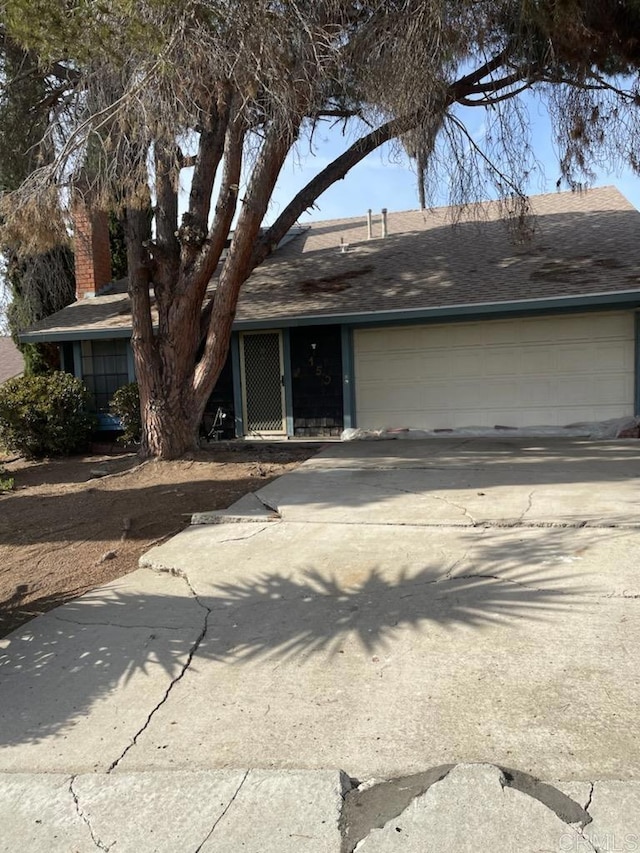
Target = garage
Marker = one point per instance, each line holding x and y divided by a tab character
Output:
553	370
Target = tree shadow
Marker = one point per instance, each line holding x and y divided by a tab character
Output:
476	262
56	669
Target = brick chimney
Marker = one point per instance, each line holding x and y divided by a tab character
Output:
92	252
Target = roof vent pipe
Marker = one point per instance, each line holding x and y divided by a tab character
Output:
369	225
384	222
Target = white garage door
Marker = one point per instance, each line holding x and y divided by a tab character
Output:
525	372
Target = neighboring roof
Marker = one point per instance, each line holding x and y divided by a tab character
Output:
11	361
584	245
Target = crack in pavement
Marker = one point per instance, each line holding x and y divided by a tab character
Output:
242	538
266	504
528	506
219	818
426	496
628	596
580	829
98	843
589	798
374	806
194	648
482	576
462	509
560	804
455	565
487	524
121	625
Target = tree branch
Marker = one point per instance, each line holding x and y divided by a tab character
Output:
239	263
166	215
336	170
494	99
211	146
225	207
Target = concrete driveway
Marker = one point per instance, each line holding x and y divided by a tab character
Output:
386	608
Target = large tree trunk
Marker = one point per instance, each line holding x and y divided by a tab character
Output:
170	428
171	412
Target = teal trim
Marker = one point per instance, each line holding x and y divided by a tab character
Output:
237	385
131	365
458	313
76	335
77	360
637	360
348	379
63	361
288	384
487	310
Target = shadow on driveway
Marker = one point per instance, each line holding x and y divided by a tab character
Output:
55	669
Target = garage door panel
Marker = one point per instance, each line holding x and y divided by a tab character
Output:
613	390
499	361
615	357
537	360
553	370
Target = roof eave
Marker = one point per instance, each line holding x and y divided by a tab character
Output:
618	299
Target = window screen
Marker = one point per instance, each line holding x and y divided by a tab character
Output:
104	369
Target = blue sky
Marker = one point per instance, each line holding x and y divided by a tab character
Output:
386	180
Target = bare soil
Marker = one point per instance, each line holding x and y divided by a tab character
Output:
66	528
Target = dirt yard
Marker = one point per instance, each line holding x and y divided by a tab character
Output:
66	527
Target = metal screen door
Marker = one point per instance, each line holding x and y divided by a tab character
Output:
262	382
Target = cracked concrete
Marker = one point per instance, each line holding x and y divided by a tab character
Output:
476	809
181	673
488	480
223	813
85	818
256	811
331	645
475	604
250	508
372	806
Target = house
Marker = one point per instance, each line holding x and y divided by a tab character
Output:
11	360
413	322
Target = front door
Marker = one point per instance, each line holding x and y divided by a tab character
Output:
262	383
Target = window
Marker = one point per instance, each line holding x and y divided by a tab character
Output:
104	369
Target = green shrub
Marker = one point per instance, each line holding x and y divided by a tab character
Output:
6	482
45	415
125	404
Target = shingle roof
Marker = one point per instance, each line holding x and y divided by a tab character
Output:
11	361
583	243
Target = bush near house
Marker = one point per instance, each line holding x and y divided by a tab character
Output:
6	482
125	404
45	415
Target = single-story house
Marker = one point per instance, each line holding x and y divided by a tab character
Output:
414	322
11	360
